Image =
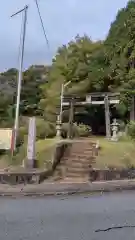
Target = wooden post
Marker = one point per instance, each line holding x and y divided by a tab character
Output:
71	116
107	117
132	111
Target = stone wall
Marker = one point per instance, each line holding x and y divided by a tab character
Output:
19	178
34	176
108	175
56	157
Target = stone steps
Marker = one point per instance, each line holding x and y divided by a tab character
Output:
76	170
76	175
81	149
76	162
78	165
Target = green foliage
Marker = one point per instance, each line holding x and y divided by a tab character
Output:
22	135
65	128
120	50
44	153
78	130
6	118
74	63
131	129
95	66
31	92
122	125
83	130
45	129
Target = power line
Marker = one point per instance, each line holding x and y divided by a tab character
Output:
42	24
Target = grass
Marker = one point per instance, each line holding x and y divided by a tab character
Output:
44	153
111	154
115	154
45	150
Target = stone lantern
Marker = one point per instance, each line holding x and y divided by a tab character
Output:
115	128
58	127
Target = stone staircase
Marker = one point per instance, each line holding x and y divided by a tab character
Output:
76	162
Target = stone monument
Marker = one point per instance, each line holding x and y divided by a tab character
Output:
31	142
115	127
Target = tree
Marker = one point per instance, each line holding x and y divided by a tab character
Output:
6	111
31	92
72	63
120	51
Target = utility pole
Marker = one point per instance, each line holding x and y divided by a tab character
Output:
71	118
21	56
63	86
61	101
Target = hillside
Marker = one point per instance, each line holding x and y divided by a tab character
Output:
31	92
100	66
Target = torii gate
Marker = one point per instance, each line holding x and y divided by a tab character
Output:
93	99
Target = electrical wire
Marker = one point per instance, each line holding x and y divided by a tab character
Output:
42	24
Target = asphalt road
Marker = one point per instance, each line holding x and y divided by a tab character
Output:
69	218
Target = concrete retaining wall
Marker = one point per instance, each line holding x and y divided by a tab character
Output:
107	175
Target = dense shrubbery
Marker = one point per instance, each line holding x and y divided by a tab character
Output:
131	129
122	125
83	130
43	130
78	130
64	130
22	134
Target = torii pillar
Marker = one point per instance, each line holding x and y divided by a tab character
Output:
107	117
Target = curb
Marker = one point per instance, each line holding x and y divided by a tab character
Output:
67	189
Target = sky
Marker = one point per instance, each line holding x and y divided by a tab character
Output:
63	20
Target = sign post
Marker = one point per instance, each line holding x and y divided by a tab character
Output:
31	142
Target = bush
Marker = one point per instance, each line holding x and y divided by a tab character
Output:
23	132
83	130
45	129
79	130
122	125
64	130
131	129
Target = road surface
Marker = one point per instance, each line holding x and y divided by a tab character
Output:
69	218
